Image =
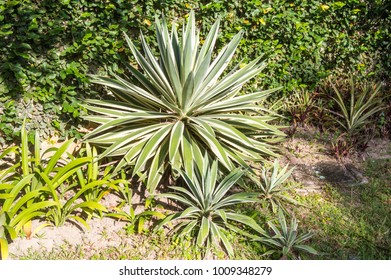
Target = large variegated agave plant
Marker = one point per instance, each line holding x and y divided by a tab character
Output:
182	107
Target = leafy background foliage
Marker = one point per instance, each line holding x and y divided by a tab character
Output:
47	47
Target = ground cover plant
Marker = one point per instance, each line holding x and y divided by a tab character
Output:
274	187
286	242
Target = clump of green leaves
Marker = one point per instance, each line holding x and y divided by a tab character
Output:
19	206
101	179
54	175
20	201
71	184
356	105
125	210
299	107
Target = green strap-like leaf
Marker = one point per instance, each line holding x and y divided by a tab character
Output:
175	140
54	159
226	184
93	205
25	151
203	231
68	170
246	220
208	44
150	147
237	199
10	205
307	249
3	248
157	167
187	152
186	192
188	91
80	220
29	213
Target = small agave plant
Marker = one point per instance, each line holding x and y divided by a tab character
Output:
182	107
274	188
207	215
287	243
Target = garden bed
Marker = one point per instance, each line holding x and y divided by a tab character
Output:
325	192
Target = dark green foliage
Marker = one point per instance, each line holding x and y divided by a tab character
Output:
47	47
305	40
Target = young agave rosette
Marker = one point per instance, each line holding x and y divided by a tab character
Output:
208	215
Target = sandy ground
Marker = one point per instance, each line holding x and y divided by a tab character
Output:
102	233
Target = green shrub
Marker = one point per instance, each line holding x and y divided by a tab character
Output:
356	105
56	178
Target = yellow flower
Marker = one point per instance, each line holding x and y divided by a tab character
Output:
147	22
265	11
324	7
262	21
187	5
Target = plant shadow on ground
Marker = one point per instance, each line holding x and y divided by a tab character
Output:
352	221
348	200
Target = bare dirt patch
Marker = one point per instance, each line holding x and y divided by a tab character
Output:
316	166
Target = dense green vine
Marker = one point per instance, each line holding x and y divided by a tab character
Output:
47	47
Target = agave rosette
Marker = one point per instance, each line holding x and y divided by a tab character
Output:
207	201
182	107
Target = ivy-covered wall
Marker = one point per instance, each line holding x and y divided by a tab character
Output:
48	46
